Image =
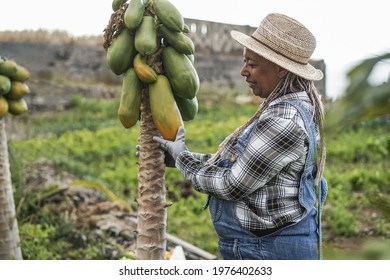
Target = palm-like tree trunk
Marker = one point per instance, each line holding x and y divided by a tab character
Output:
9	232
152	212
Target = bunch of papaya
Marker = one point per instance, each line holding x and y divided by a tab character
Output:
146	41
13	87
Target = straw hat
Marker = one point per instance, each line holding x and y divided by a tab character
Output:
284	41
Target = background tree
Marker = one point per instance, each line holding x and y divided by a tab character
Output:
12	90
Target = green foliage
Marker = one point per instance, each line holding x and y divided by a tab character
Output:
88	142
361	100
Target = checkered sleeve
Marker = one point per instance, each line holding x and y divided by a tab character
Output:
275	142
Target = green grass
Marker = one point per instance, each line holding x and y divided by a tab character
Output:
88	142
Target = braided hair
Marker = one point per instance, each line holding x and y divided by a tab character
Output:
290	83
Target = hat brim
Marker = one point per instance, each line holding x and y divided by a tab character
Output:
306	71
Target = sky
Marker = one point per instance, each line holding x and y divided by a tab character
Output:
346	31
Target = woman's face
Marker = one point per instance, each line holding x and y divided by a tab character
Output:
261	74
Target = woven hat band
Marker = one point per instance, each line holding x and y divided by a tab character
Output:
286	37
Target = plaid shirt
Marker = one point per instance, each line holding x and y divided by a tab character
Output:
264	179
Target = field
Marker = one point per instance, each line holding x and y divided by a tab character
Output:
86	142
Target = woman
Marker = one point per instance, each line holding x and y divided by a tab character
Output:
262	180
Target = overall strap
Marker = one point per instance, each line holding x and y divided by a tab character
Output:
310	128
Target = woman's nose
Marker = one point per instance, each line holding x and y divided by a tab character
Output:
244	72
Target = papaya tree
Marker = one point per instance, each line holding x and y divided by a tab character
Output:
145	41
12	90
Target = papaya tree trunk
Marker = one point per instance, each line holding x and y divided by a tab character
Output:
9	232
152	210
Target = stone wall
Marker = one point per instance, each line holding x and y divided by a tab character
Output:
218	58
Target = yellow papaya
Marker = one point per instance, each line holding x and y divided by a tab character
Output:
5	85
121	52
130	100
8	68
181	73
168	14
146	36
134	13
18	90
188	107
116	4
165	113
3	106
17	107
181	42
144	72
22	74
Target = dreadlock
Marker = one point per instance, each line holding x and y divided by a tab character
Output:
291	83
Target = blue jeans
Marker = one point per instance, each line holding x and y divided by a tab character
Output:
295	242
299	241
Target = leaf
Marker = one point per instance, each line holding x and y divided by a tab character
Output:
361	101
110	195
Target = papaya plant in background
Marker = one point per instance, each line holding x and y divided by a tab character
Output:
145	41
361	100
13	88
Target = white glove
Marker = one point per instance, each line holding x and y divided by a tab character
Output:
174	148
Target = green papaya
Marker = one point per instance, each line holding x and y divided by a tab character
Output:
169	15
188	107
186	29
134	13
5	85
146	36
181	73
130	100
181	42
22	74
121	52
191	57
17	107
116	4
8	68
165	113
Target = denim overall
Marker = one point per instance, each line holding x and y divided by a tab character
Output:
302	240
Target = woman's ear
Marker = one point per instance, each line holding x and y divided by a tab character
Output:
282	72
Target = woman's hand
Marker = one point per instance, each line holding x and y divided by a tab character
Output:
174	148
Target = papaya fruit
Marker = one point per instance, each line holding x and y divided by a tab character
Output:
144	72
121	52
186	29
17	107
8	68
191	57
5	85
130	100
181	73
22	74
169	15
18	90
134	13
188	107
146	36
116	4
165	113
3	106
181	42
